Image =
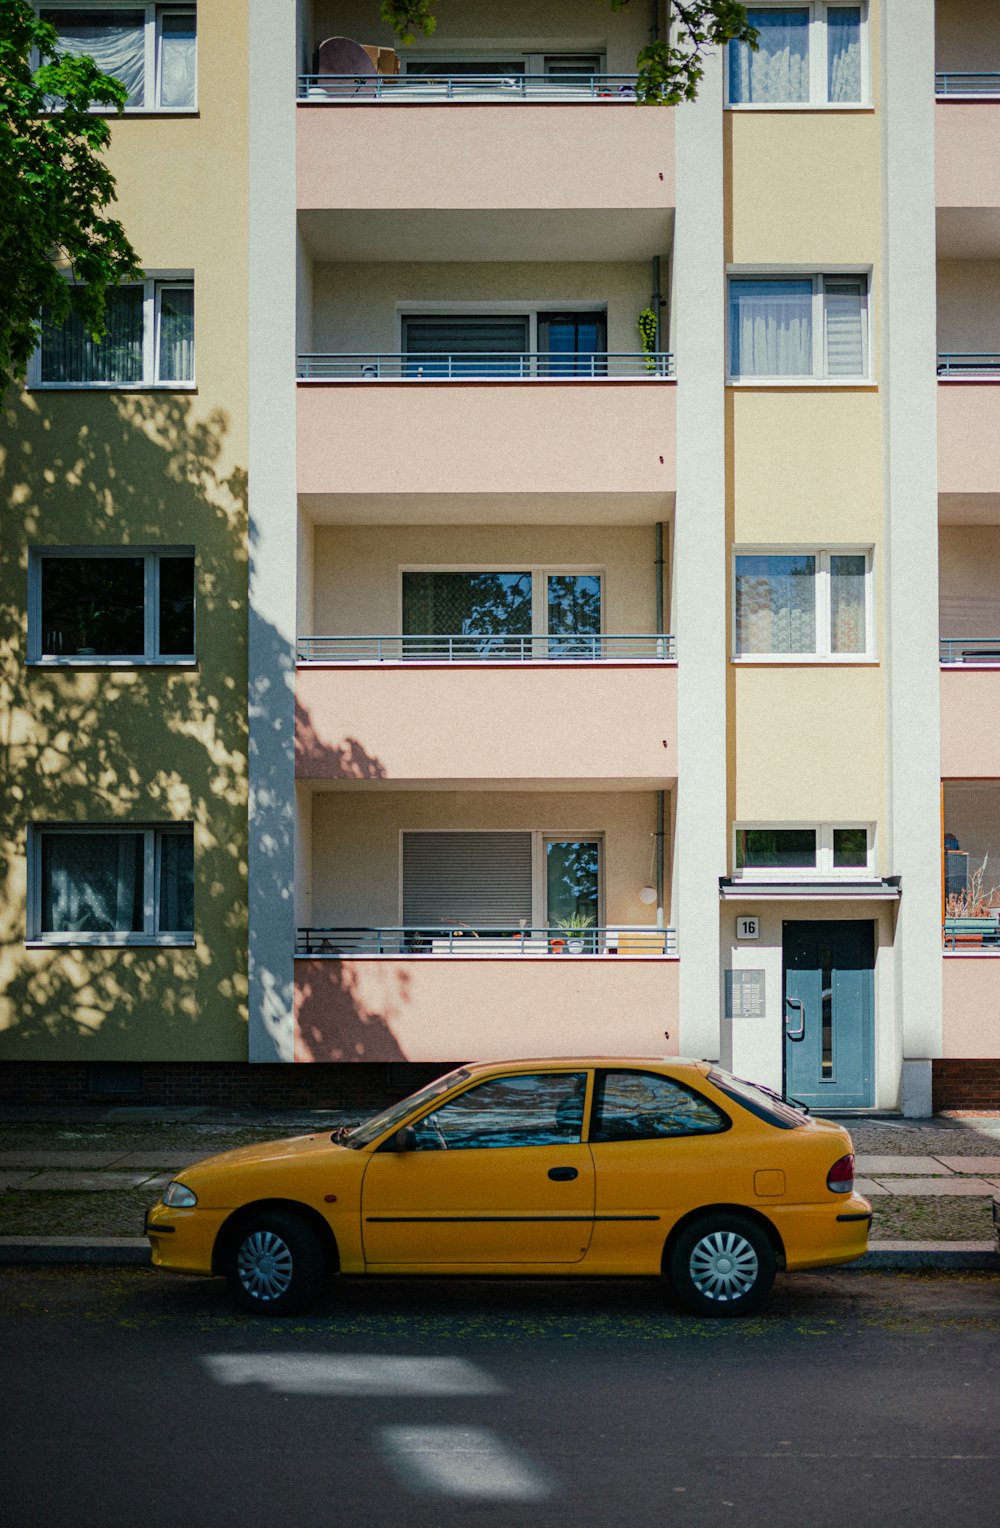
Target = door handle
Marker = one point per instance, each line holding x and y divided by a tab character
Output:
563	1174
796	1034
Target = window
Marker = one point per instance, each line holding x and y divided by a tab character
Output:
502	614
806	55
150	48
820	851
504	881
149	341
640	1106
798	327
113	885
802	604
129	605
501	345
545	1109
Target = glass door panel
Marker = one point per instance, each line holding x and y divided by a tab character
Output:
572	888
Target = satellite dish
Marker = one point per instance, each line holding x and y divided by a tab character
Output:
339	55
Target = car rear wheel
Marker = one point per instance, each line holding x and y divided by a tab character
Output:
722	1265
274	1264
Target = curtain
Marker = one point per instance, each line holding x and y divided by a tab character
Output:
175	361
770	328
68	354
775	604
843	31
844	310
115	39
175	914
847	604
92	883
779	70
177	60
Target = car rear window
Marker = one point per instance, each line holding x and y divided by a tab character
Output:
758	1100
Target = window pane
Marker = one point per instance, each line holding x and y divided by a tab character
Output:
775	604
972	848
444	69
850	848
175	361
779	70
93	606
636	1106
776	849
847	604
68	354
843	24
531	1110
493	606
113	38
572	883
176	606
574	344
575	66
177	59
465	347
92	883
574	614
844	309
175	904
770	328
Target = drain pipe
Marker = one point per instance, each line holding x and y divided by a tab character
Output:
658	565
660	858
657	299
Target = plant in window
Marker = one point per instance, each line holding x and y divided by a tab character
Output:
973	901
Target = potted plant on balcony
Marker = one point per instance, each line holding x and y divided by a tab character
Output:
574	924
972	915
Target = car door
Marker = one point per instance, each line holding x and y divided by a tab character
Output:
498	1177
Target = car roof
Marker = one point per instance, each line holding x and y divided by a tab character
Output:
528	1064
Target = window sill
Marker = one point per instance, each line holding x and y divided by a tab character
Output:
110	941
803	660
840	107
85	661
797	384
135	111
112	387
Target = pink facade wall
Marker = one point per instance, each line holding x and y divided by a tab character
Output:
968	430
485	1010
968	169
604	155
970	723
971	1006
571	723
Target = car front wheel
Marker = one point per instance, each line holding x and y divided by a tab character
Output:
722	1265
274	1264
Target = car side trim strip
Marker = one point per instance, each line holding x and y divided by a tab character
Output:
860	1215
466	1220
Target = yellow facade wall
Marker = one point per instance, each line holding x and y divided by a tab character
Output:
142	468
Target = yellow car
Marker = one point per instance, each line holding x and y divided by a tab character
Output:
596	1166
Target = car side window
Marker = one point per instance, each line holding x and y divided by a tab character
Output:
639	1106
528	1109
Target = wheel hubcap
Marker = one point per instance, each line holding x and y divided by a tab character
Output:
264	1265
723	1266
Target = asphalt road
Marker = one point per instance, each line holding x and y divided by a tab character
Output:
135	1398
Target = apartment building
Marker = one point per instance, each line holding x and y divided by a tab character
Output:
621	563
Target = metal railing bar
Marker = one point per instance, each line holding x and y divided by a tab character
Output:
459	87
969	650
500	647
550	365
486	940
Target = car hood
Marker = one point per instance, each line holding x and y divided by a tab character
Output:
265	1151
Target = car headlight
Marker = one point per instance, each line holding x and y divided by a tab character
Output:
179	1196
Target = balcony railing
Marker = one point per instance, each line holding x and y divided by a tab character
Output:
521	943
951	83
969	363
468	366
495	89
501	648
970	650
971	934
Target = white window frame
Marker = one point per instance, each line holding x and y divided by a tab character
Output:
822	586
153	52
152	835
818	376
824	869
150	657
154	285
539	838
537	573
818	61
534	62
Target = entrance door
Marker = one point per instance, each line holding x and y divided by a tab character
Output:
829	1013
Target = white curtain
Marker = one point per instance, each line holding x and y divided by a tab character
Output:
775	604
92	883
68	354
847	604
177	61
770	328
175	911
779	70
175	361
843	30
114	39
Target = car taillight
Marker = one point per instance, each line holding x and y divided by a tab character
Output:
840	1178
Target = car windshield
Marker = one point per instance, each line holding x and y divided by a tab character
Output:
370	1129
758	1099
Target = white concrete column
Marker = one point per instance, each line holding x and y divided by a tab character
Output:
273	525
907	381
700	560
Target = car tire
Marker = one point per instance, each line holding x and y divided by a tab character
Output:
274	1264
722	1265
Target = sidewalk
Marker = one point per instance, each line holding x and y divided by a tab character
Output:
74	1185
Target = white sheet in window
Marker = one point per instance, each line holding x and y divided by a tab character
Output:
770	328
177	60
843	31
115	39
779	70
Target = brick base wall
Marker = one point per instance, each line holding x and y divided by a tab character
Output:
966	1083
210	1085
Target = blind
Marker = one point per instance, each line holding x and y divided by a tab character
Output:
845	345
467	879
454	336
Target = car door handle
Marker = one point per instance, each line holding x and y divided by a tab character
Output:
563	1174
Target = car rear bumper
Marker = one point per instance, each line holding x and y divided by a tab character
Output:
822	1235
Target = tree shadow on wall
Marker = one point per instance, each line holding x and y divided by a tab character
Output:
335	1023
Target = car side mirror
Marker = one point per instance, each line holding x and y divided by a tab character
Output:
405	1139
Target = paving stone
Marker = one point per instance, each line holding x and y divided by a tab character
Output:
165	1161
945	1187
972	1164
69	1159
924	1167
869	1187
81	1183
14	1180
